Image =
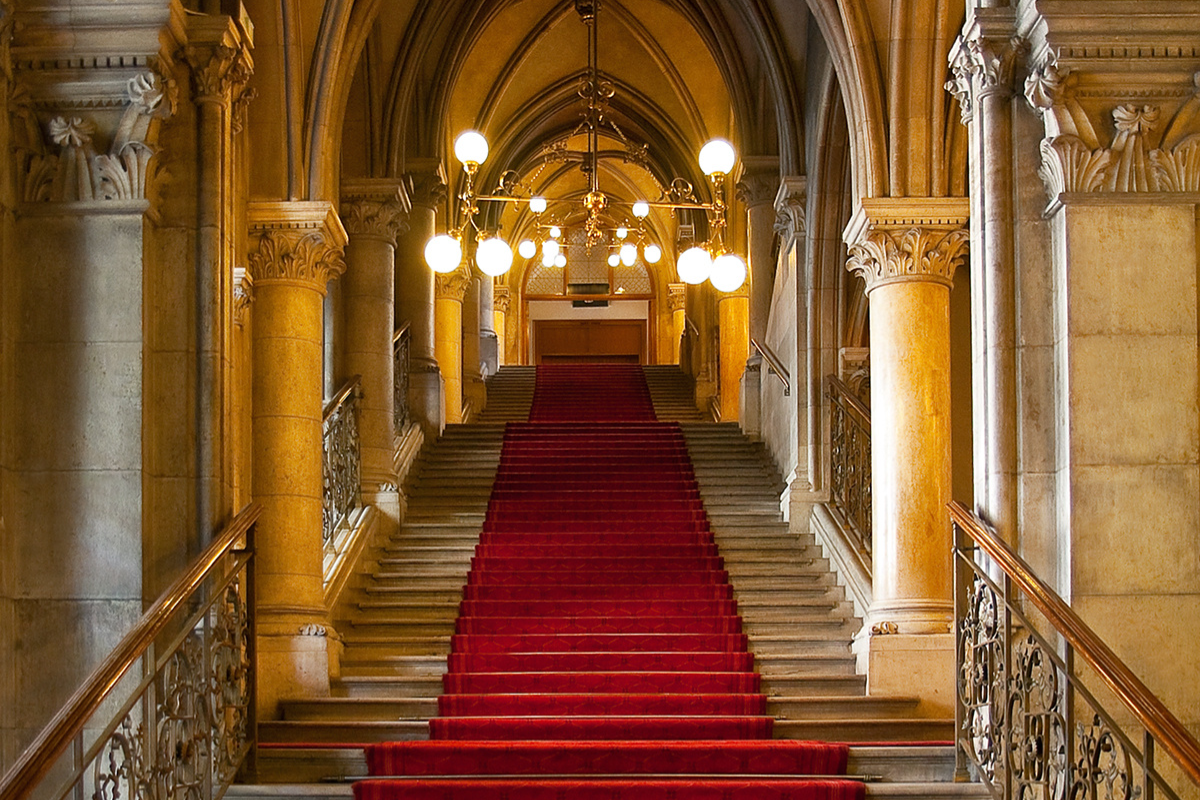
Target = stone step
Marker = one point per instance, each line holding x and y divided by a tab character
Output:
815	685
384	686
351	709
418	666
913	729
342	732
801	664
834	707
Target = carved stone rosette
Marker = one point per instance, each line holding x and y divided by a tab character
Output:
452	285
501	299
296	242
375	209
908	239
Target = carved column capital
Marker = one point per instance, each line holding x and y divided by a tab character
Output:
908	239
296	242
218	54
375	208
427	184
791	208
501	299
676	296
759	181
243	295
453	285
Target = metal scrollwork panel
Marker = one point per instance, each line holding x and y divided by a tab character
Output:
1103	769
342	467
229	683
981	680
1037	736
400	366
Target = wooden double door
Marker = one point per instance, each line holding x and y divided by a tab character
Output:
589	341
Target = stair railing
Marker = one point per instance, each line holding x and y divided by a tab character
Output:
401	352
1025	717
774	365
342	458
850	462
188	721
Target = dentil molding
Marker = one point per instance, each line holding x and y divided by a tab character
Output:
893	240
298	242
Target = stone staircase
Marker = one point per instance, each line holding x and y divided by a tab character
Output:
396	628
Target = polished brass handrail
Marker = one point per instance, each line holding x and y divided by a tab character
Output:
349	388
1150	712
691	326
851	400
775	364
39	758
403	329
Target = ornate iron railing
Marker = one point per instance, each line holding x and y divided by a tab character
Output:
343	457
185	726
1026	719
401	349
850	467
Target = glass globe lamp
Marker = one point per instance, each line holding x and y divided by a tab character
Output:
550	249
443	253
560	260
471	148
527	248
537	205
652	254
494	256
613	260
694	265
555	231
728	272
641	209
717	157
629	254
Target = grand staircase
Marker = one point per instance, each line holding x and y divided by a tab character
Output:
397	626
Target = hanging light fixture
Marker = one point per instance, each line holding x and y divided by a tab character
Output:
494	256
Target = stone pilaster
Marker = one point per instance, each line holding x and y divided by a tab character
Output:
501	301
677	304
450	290
733	312
415	295
296	249
907	250
375	213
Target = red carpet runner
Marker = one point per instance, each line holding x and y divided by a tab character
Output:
599	652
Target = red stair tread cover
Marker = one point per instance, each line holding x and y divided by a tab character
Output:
598	634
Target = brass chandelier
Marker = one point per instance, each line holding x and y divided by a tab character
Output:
710	260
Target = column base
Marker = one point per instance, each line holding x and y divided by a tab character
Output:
489	353
474	395
909	665
798	501
752	397
385	496
293	662
427	398
912	616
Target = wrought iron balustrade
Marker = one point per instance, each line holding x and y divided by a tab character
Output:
850	468
1026	718
187	723
401	350
342	457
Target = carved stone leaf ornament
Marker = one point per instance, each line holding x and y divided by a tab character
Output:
885	256
453	285
302	255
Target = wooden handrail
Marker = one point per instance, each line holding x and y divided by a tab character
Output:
691	326
403	329
837	384
775	364
40	757
1148	709
348	388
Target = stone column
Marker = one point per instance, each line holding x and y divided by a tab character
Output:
757	190
804	483
449	341
732	312
415	296
473	388
296	249
501	299
907	249
677	303
375	213
489	345
984	63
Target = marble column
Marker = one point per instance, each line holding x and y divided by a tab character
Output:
733	309
501	299
757	190
375	213
677	304
474	390
906	250
489	345
415	296
296	249
451	288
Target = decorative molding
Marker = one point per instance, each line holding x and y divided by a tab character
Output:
376	208
501	299
218	55
427	185
313	629
791	209
758	188
452	285
243	295
241	108
908	239
984	59
297	241
676	296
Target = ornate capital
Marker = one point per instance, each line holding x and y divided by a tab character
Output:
759	181
427	185
908	239
219	57
296	242
453	285
984	59
375	208
501	299
243	295
676	296
791	209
